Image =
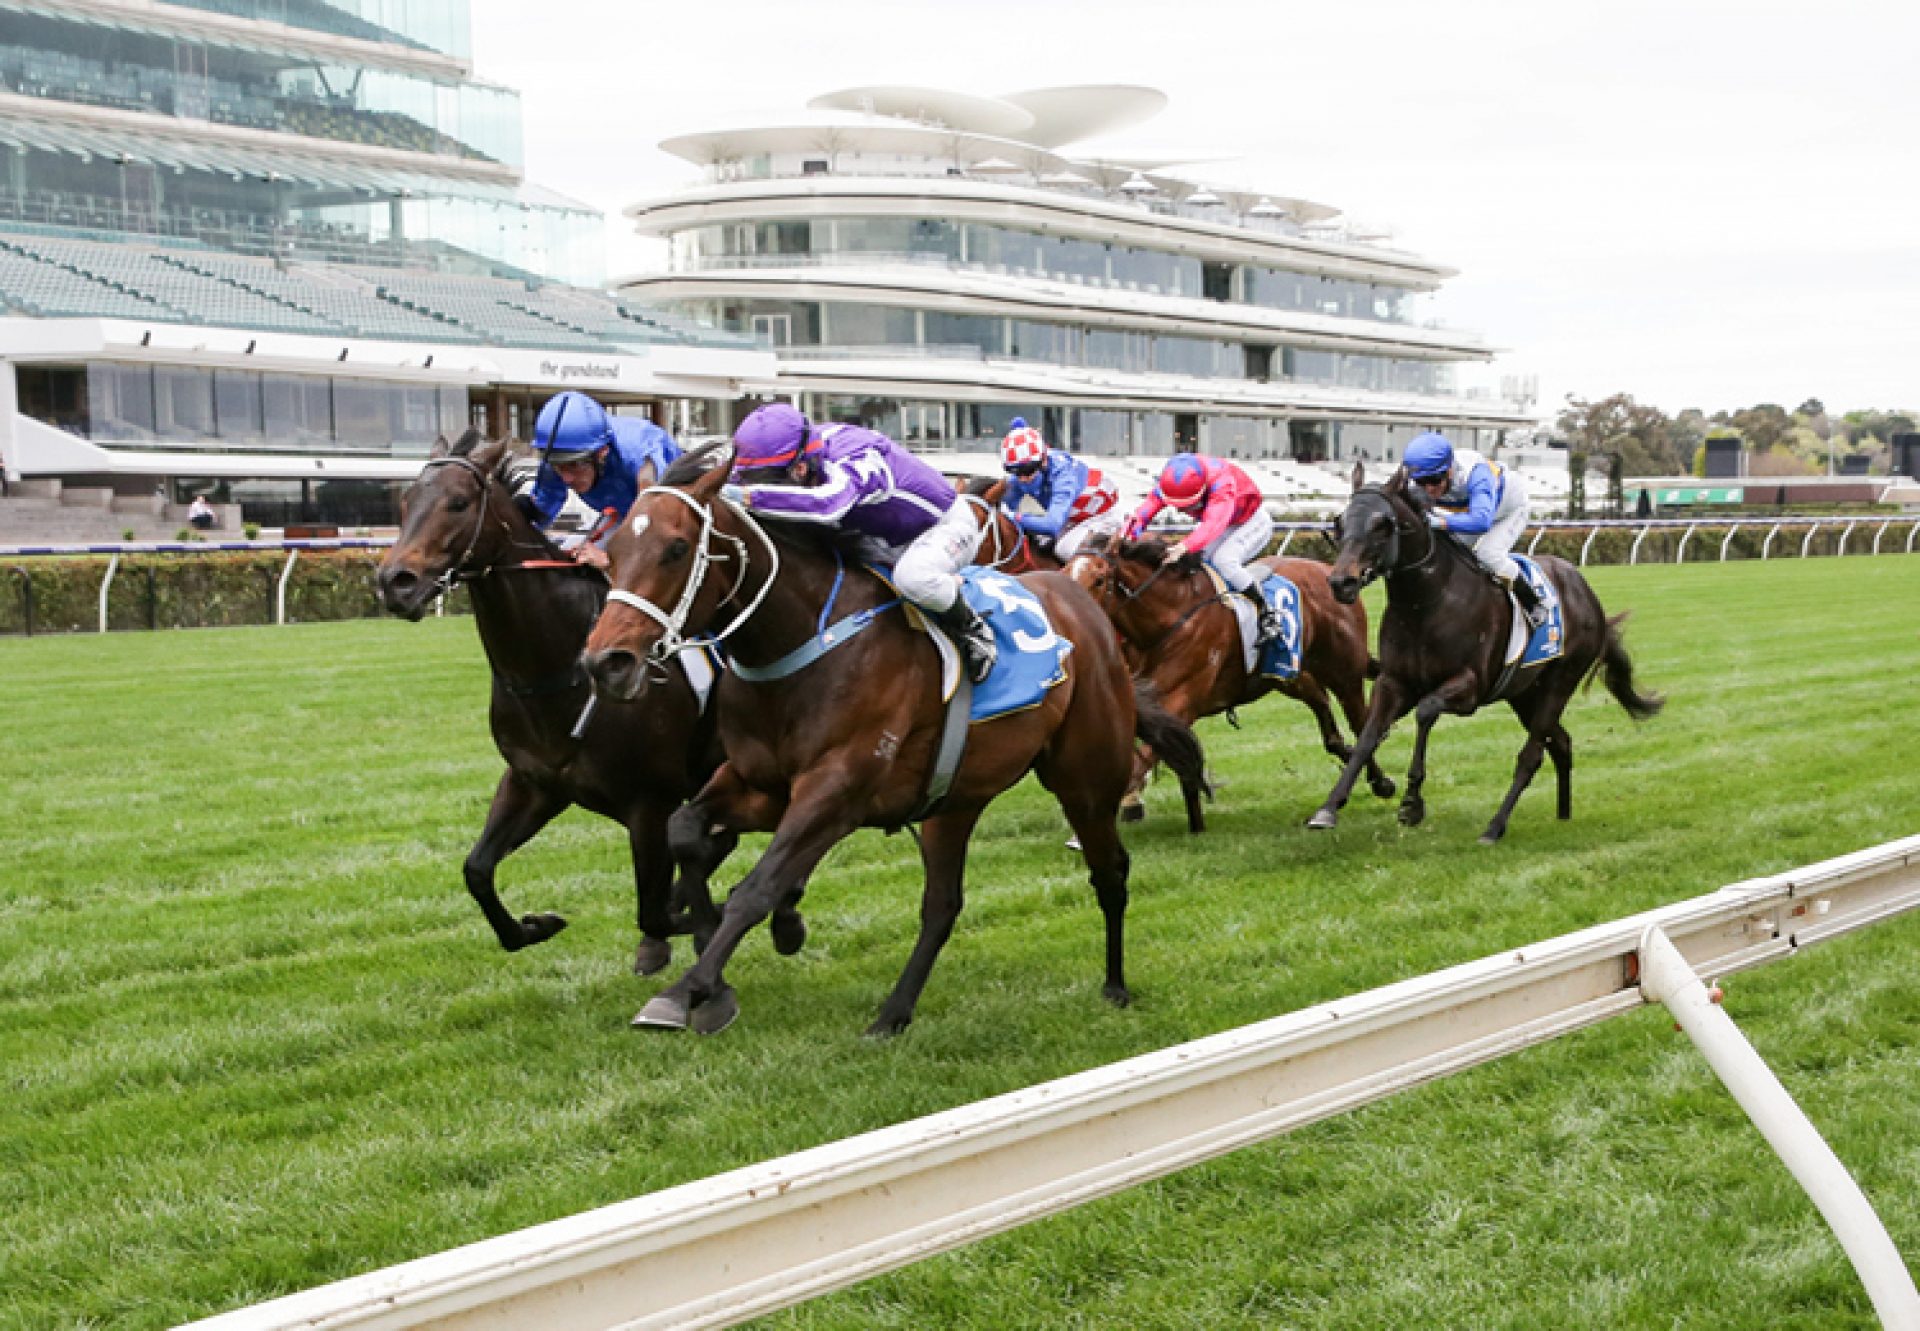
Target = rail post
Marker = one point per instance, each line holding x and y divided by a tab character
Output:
1587	545
1768	543
106	583
1911	535
1538	532
1807	544
1680	555
1633	555
26	599
1287	540
1731	532
1882	532
1841	552
280	593
1666	978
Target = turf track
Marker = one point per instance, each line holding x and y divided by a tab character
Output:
255	1037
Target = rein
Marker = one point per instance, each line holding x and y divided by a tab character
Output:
458	572
989	521
1391	563
672	640
1130	594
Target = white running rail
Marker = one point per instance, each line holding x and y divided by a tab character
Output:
724	1249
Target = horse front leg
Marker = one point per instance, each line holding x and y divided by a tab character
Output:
702	833
943	855
820	815
1457	694
519	810
1353	705
652	884
1388	705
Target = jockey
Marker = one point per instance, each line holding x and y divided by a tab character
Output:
1233	525
862	482
586	452
1481	502
1078	500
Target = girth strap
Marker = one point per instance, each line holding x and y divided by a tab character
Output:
953	746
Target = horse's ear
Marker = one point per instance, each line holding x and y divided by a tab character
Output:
1397	483
440	448
649	475
488	455
1359	474
707	486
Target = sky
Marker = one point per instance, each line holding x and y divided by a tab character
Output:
1700	204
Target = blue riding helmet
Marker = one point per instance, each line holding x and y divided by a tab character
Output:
1429	457
572	426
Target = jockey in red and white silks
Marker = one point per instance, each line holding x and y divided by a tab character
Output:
1233	528
1078	501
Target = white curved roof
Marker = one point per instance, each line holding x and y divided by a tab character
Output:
937	106
1067	115
833	130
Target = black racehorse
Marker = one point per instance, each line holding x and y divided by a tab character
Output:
634	762
1443	646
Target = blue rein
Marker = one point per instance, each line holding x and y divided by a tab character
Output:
825	638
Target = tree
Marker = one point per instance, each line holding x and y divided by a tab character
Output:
1764	425
1642	436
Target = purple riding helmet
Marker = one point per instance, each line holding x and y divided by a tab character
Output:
772	436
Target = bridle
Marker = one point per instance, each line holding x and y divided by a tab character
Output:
1390	562
989	522
1131	594
458	572
672	639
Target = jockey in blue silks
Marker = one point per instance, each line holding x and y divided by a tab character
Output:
1078	500
599	457
1481	502
863	483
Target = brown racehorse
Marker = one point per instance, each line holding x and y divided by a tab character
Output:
1006	546
1185	638
1443	641
634	762
848	740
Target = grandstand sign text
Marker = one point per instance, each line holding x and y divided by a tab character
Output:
586	369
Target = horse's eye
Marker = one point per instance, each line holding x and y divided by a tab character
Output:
459	505
676	549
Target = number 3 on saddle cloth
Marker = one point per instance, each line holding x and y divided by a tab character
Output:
1033	658
1280	659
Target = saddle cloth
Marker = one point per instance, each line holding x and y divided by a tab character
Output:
1281	658
1032	656
1532	647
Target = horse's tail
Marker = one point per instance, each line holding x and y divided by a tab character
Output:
1174	742
1619	675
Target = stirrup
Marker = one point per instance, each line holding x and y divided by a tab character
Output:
980	654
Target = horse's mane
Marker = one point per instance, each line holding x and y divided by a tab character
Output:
977	486
690	467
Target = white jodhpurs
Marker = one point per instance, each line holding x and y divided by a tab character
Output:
1238	546
928	573
1067	544
1493	548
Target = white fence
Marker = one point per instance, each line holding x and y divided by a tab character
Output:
721	1250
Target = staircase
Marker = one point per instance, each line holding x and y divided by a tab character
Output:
42	519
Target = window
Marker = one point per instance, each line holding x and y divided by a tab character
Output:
774	330
120	401
299	409
238	407
814	166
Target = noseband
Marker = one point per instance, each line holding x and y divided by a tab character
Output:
1390	562
672	639
458	572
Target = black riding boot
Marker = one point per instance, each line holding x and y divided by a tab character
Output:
1529	602
964	625
1271	627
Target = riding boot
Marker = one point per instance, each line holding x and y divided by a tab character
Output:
1271	626
1529	599
964	625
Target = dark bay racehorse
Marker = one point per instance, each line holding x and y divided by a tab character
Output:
1185	638
1443	646
849	739
1006	545
634	762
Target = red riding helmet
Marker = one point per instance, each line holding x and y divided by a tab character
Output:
1183	480
1023	447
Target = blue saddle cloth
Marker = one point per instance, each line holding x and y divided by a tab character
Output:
1280	659
1550	639
1032	656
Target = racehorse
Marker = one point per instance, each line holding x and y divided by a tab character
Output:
848	737
1006	546
632	762
1443	641
1185	639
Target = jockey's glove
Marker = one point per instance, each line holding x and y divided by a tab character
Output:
1436	519
734	494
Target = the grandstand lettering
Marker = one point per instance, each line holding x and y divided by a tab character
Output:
563	370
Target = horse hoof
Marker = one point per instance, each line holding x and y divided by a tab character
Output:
789	932
663	1012
1323	820
539	928
652	956
1489	838
1073	843
1384	787
1411	815
717	1013
1117	995
1133	813
885	1027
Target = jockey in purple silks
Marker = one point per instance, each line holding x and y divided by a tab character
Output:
860	481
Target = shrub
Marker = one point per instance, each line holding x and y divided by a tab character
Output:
251	531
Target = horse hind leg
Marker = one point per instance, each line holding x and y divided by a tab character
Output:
943	855
1108	866
1541	718
518	812
1560	749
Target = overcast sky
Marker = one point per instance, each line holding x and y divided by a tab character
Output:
1700	204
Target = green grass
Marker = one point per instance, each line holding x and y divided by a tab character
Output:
254	1036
